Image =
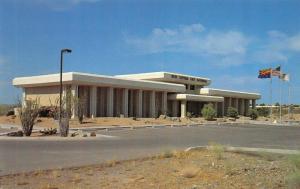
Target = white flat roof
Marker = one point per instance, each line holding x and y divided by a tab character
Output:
192	97
169	77
96	80
229	93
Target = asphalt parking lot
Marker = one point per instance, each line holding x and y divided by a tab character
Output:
25	155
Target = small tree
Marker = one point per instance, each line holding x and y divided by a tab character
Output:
64	112
208	112
81	105
253	114
28	114
232	112
263	111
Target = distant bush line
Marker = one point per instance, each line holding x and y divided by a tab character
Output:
4	108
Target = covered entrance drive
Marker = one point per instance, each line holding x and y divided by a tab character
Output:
183	103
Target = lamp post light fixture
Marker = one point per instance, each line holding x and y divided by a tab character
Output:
61	87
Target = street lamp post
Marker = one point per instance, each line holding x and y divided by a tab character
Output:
61	88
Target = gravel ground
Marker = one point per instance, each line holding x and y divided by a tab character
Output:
200	169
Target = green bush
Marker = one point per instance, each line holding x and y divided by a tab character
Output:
208	112
263	111
253	114
232	112
188	114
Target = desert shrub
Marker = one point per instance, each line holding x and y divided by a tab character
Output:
46	111
5	108
63	114
232	112
188	114
10	112
166	154
81	105
208	112
218	150
28	115
263	111
253	114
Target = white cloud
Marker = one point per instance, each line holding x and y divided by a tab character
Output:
228	47
244	83
294	42
191	38
278	47
61	5
270	56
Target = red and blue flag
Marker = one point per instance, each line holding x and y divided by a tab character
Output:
265	73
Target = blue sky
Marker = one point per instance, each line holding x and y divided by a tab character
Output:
225	40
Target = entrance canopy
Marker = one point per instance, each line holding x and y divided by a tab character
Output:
193	97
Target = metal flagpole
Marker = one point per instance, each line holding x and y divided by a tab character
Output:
289	99
280	107
271	95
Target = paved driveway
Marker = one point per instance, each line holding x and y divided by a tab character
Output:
26	155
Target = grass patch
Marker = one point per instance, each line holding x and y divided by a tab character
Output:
218	150
293	179
112	163
166	154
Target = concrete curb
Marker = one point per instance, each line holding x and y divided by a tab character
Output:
116	128
58	138
248	150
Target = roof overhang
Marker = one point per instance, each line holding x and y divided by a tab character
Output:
229	93
192	97
95	80
169	77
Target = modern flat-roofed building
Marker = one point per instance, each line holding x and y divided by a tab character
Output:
136	95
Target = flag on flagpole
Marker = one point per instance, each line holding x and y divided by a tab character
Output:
265	73
285	77
276	71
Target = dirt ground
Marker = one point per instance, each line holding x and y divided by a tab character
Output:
172	170
116	121
105	121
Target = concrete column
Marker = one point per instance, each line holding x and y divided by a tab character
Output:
174	108
23	97
164	102
102	104
74	91
242	107
229	102
253	103
131	105
139	103
246	106
223	108
183	108
110	102
236	103
125	102
93	101
152	104
215	104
